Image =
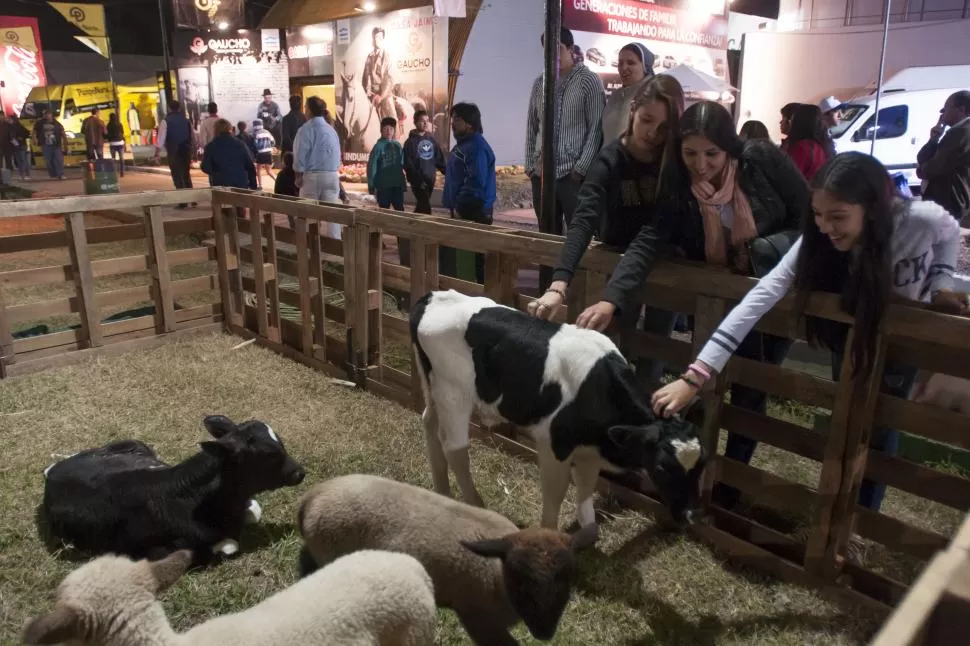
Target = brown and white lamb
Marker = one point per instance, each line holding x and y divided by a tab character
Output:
491	573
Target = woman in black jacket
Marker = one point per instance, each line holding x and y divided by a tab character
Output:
623	199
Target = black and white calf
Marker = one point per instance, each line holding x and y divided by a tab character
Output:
121	498
569	387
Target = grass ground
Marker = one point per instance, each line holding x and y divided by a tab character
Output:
641	585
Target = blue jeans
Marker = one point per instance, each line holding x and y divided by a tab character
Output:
897	381
54	158
393	197
661	323
21	159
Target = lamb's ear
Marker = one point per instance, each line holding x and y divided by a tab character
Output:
584	538
62	624
218	425
170	569
633	437
490	548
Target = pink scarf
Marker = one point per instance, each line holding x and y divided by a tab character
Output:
743	228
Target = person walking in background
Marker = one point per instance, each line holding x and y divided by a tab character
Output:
93	130
944	161
316	159
50	137
116	141
19	139
207	129
286	183
263	144
753	129
178	147
423	159
385	168
6	147
242	133
469	179
785	124
269	113
291	123
807	140
580	99
226	161
635	67
831	109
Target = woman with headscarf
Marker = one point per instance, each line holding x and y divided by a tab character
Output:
635	66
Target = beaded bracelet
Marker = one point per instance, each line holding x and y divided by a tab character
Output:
694	367
556	291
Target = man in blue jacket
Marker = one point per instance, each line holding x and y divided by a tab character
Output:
469	179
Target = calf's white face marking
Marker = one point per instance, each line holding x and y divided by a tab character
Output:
226	547
272	435
688	453
253	513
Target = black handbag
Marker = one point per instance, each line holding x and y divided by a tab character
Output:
766	251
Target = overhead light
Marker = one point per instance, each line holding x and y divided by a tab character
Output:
223	25
369	6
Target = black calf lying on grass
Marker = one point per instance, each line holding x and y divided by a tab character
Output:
121	498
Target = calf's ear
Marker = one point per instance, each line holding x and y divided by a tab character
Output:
218	425
170	569
584	538
491	548
633	437
61	624
215	449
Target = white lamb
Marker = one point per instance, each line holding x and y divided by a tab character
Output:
368	598
491	573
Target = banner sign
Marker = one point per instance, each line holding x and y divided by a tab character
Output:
19	37
675	31
89	18
21	68
205	14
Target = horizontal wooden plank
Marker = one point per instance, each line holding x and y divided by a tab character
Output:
897	535
463	286
35	276
396	378
776	432
331	279
100	235
396	329
126	296
291	352
42	310
782	382
763	487
944	488
193	285
670	351
923	419
299	207
116	202
291	298
872	585
935	357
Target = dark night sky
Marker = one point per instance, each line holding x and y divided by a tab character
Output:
133	24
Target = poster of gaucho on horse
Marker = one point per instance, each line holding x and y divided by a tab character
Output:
387	65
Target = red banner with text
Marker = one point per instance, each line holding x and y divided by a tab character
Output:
21	69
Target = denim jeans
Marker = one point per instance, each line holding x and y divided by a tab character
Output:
21	159
54	158
120	152
897	381
325	187
661	323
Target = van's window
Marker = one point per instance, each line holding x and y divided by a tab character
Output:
892	123
35	109
850	114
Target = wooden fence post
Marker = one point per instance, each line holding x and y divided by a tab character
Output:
708	314
303	273
501	271
7	355
271	271
159	270
259	272
318	303
356	267
373	248
83	280
424	278
227	263
234	265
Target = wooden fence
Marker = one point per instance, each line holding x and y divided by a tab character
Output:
83	260
324	302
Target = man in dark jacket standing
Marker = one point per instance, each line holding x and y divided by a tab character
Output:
422	161
944	163
226	160
291	123
178	147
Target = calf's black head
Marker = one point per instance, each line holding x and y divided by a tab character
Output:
538	570
254	454
671	453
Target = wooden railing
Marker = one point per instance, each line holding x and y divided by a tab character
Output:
327	303
82	261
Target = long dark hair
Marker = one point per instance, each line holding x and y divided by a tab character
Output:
806	123
667	90
862	277
711	120
754	129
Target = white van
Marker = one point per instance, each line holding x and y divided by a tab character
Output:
909	107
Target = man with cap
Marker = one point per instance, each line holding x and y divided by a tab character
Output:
832	116
579	103
269	113
944	162
635	67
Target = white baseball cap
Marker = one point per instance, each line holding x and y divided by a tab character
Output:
828	104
